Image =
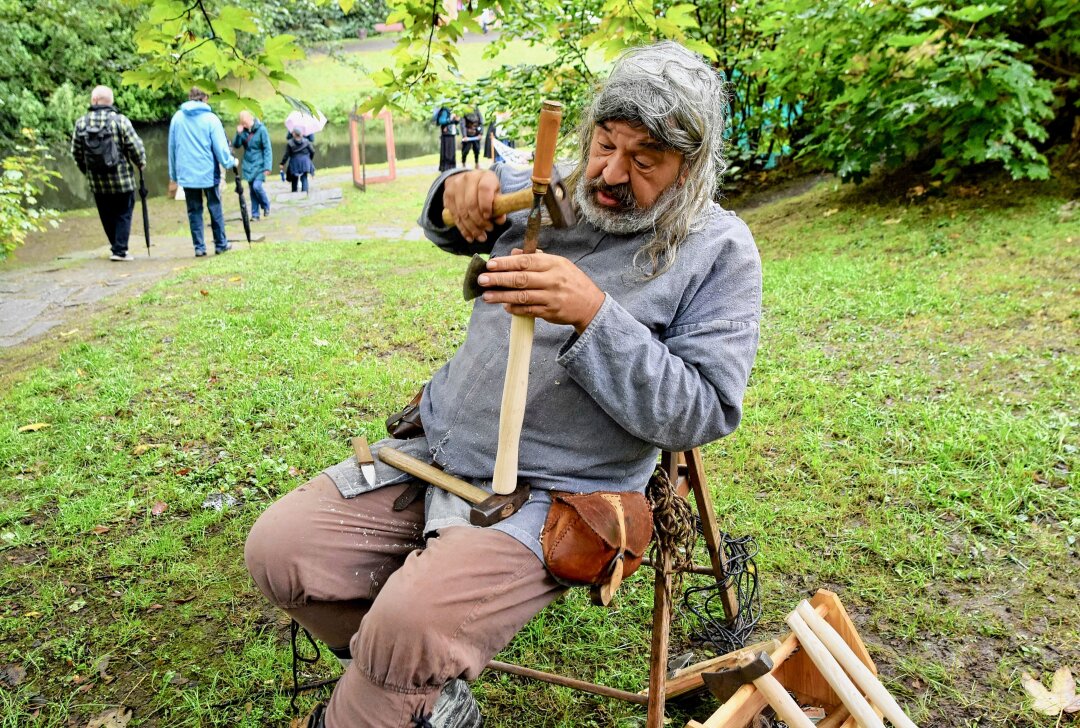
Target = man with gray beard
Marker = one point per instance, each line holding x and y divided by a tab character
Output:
646	330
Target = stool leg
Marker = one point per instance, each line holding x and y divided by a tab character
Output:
660	630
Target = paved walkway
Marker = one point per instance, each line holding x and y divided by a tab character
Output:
59	274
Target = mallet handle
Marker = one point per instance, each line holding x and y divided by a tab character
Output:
784	705
516	383
859	672
834	675
429	474
503	204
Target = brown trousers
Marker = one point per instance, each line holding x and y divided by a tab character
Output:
414	615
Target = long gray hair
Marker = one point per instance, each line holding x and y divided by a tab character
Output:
680	101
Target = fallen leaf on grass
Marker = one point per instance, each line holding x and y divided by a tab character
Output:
320	342
65	334
154	607
158	508
891	221
205	292
235	279
294	471
112	718
100	530
12	675
77	605
34	427
830	212
1061	698
140	449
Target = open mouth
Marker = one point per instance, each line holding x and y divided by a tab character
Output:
607	200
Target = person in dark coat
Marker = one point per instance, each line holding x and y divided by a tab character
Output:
251	134
299	160
447	122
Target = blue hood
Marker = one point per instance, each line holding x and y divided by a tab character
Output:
197	145
194	108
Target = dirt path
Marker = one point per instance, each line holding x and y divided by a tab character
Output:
59	274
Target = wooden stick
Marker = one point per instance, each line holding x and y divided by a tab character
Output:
830	670
516	384
569	682
784	705
501	205
862	676
512	409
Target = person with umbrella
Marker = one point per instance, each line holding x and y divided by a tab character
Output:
258	161
106	147
299	160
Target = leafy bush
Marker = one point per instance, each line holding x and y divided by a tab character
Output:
845	84
54	53
24	177
313	21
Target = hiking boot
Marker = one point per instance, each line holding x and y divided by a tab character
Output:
455	708
125	256
315	719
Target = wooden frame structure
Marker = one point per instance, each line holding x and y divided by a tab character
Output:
687	473
357	149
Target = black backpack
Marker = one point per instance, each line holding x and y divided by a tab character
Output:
102	150
472	124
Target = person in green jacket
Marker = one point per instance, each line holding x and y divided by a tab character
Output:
251	134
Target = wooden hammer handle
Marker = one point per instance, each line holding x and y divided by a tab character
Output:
503	204
547	136
429	474
860	673
516	383
784	705
830	669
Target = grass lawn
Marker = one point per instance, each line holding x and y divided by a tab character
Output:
910	442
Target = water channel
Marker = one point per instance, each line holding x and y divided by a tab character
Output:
412	139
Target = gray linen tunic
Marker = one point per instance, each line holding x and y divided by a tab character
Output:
663	365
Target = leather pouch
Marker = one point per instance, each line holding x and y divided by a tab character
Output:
406	424
596	539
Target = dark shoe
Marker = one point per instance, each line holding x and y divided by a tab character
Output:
455	708
125	256
226	249
315	719
200	254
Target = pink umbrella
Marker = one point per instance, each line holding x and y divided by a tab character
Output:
306	123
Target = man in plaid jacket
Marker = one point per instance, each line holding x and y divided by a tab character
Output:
105	146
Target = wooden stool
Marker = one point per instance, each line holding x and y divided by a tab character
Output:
687	473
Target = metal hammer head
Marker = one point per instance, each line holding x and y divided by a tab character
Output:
558	203
496	507
748	668
562	213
